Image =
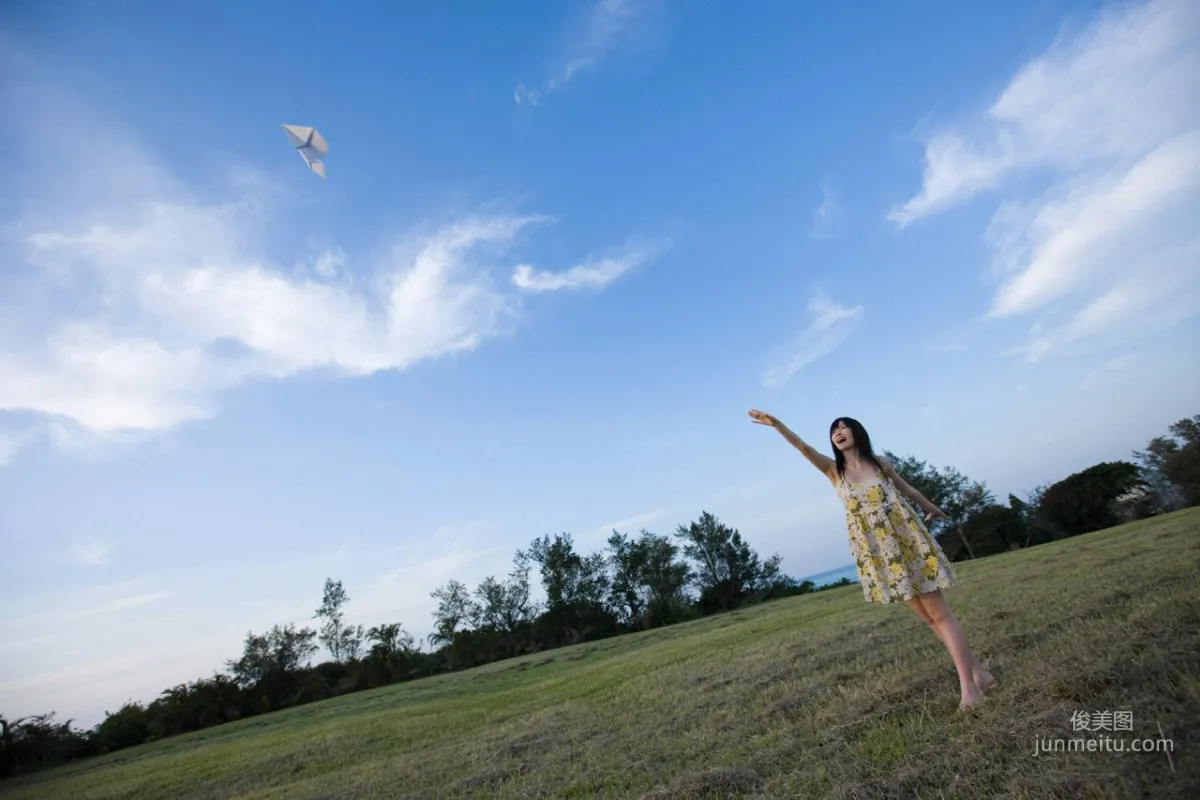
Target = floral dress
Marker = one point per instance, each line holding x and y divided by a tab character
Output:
896	555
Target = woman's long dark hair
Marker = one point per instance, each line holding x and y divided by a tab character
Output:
862	443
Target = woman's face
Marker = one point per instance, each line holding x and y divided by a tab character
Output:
842	437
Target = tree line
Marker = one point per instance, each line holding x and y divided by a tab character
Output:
635	583
1163	477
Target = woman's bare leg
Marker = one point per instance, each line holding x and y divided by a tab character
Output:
971	675
916	605
983	678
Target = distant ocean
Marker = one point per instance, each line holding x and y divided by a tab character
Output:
834	575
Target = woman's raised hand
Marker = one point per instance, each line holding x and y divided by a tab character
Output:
763	418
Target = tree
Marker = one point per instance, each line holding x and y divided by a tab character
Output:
592	584
38	741
1171	464
453	609
127	727
728	569
1039	529
344	642
503	606
577	589
352	641
282	650
392	653
391	640
948	489
502	613
1085	501
665	578
8	747
994	529
628	566
191	707
560	567
268	670
647	579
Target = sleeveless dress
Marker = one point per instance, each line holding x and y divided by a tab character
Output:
897	556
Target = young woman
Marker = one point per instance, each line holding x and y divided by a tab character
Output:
897	557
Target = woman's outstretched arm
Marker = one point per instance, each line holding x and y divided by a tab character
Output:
908	491
819	460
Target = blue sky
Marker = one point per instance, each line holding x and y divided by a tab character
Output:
561	249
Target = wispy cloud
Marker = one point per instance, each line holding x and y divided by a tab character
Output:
1097	120
630	524
92	554
192	631
329	263
437	569
829	325
595	273
606	28
78	606
457	530
827	217
11	442
44	652
132	601
1110	372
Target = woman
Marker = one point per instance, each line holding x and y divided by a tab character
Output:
897	557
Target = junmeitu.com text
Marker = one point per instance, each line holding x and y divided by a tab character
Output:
1101	744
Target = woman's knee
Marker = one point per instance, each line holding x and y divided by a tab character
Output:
918	607
935	606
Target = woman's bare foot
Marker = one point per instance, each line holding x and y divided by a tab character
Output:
970	696
983	678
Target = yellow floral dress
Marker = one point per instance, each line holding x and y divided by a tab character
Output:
897	556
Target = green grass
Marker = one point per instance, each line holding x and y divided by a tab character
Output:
813	696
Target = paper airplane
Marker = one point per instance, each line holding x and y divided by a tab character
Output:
310	145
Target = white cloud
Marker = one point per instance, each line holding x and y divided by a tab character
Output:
181	289
1097	158
829	325
827	217
1079	236
592	274
1155	305
92	554
1113	90
608	26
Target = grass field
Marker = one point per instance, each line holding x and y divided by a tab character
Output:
812	696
